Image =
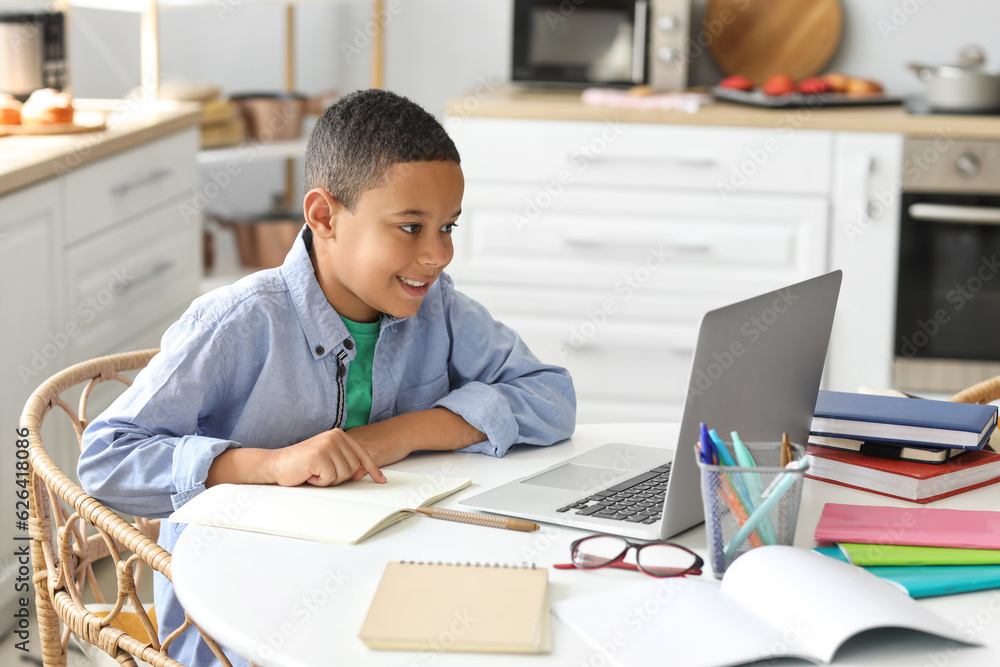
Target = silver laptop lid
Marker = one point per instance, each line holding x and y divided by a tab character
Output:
756	370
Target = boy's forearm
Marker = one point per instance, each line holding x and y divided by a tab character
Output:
241	466
434	429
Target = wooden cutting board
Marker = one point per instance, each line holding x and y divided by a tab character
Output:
761	38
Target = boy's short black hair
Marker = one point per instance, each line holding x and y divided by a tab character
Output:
361	136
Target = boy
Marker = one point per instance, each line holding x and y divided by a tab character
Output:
352	354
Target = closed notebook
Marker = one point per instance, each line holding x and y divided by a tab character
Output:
931	580
484	608
907	480
902	554
916	526
909	420
887	450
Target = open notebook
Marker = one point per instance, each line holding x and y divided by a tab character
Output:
346	513
774	601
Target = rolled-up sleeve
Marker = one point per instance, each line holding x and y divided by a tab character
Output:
143	455
499	386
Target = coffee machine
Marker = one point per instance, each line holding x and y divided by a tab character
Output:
32	52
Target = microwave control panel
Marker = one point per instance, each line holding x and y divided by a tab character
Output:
669	35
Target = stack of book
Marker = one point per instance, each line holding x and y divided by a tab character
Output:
933	552
913	449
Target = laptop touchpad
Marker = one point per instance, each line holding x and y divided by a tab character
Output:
584	479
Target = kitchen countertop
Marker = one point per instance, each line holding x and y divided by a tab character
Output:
509	101
28	159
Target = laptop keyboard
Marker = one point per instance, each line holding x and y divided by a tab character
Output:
636	500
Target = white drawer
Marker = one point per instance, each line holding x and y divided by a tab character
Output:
682	311
639	241
125	279
116	188
726	161
618	360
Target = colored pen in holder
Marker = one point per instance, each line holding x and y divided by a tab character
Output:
747	506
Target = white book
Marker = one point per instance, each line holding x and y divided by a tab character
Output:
774	601
346	513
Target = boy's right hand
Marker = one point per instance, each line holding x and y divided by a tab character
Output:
329	458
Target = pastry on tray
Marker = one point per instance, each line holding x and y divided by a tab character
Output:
47	106
10	110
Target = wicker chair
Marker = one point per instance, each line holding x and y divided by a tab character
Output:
69	531
982	393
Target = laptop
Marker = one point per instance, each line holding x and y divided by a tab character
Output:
756	370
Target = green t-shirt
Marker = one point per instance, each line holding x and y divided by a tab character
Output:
359	378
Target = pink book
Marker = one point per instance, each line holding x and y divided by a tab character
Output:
913	526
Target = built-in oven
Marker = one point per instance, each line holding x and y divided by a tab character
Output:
601	42
948	291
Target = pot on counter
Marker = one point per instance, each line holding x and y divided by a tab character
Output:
965	87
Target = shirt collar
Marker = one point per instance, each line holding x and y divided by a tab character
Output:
323	328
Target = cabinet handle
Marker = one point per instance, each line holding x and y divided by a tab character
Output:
593	242
159	268
982	215
694	162
123	189
867	168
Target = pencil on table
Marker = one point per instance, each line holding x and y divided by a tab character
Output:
479	519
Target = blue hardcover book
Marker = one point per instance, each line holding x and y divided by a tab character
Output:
914	421
924	581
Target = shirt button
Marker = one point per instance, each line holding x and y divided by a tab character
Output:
349	344
320	350
341	370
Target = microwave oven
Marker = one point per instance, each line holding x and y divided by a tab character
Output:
602	42
32	52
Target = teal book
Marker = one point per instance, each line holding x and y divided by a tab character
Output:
924	581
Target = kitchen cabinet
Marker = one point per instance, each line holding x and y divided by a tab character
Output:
603	244
28	219
97	261
864	242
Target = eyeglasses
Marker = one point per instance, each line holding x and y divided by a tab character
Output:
657	559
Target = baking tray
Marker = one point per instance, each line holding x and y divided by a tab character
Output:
757	98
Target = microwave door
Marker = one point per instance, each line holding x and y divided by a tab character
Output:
639	42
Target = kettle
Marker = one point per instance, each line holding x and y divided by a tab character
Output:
32	52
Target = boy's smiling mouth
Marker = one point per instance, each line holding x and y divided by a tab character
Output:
411	283
414	287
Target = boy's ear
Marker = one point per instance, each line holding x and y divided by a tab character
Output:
321	210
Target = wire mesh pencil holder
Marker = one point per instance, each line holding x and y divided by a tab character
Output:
748	507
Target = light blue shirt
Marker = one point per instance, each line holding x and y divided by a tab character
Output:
258	364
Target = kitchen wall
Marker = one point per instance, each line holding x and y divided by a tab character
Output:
437	49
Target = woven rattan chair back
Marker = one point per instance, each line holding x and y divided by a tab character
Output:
983	392
69	531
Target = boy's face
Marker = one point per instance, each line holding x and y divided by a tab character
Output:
383	257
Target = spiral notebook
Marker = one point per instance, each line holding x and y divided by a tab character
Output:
485	608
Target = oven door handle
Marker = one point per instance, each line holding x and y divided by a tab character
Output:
981	215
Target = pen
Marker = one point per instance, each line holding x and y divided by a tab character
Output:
478	519
745	459
737	508
788	479
786	451
708	455
742	492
